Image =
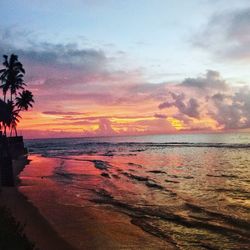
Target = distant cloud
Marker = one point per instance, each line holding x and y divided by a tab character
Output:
62	113
105	128
188	107
50	54
233	112
211	81
213	99
227	35
161	116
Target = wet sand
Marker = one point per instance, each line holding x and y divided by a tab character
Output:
103	228
36	228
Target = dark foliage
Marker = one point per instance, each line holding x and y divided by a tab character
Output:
11	81
12	236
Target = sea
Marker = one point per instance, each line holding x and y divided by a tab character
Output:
191	191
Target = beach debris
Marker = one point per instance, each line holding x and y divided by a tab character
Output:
152	184
102	165
135	177
134	165
105	175
157	172
171	181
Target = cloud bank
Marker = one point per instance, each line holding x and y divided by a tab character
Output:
212	99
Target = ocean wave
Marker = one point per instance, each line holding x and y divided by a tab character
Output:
111	149
215	223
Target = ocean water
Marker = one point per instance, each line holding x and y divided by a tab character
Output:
190	191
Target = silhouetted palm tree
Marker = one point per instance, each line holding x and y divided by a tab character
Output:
14	117
24	100
5	115
12	76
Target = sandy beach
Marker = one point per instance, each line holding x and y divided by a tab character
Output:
36	228
39	231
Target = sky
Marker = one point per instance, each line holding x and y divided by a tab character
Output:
104	68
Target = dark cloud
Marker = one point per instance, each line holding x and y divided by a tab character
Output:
68	55
161	116
218	97
166	105
211	81
52	64
227	35
192	108
189	107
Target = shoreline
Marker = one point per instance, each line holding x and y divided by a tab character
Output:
36	228
102	229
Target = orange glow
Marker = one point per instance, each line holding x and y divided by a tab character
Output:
110	122
176	123
126	115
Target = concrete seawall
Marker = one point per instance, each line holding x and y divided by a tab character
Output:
11	149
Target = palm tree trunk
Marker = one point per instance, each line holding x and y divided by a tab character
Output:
5	129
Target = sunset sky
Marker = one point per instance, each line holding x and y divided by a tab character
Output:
114	67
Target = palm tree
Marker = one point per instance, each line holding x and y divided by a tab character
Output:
5	115
14	117
24	100
12	76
